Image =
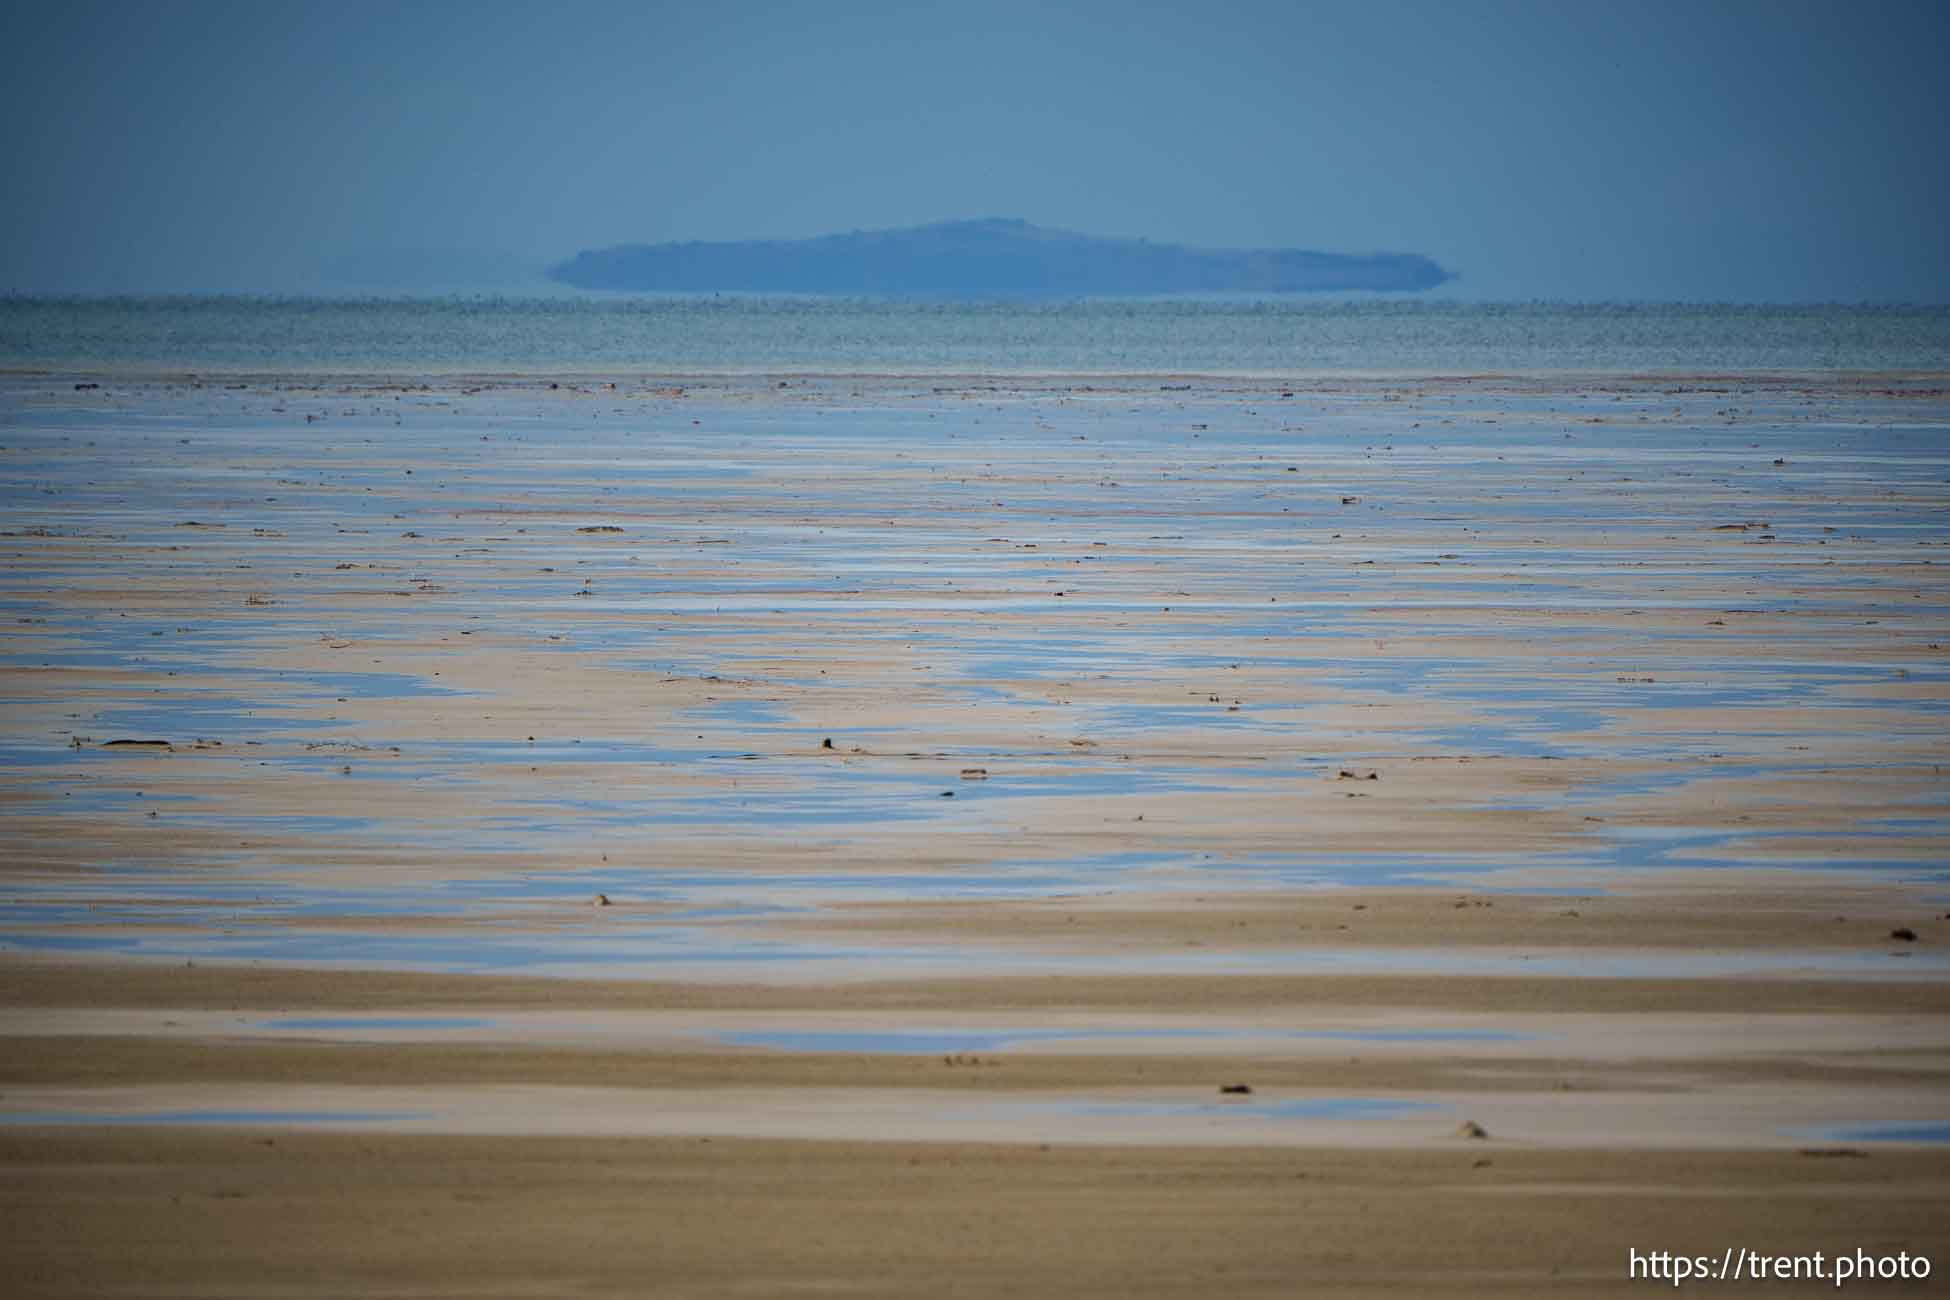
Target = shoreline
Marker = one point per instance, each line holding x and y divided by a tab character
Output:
950	774
539	377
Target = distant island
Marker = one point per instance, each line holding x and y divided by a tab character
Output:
999	257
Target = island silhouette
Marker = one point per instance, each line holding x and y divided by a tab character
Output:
998	256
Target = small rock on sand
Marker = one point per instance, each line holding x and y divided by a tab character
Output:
1237	1089
1469	1128
1904	933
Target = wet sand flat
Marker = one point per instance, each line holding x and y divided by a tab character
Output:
585	817
315	1214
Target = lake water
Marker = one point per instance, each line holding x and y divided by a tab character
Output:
1094	336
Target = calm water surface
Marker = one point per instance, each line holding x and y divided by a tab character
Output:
1091	336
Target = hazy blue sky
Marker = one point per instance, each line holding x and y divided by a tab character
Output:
1774	150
